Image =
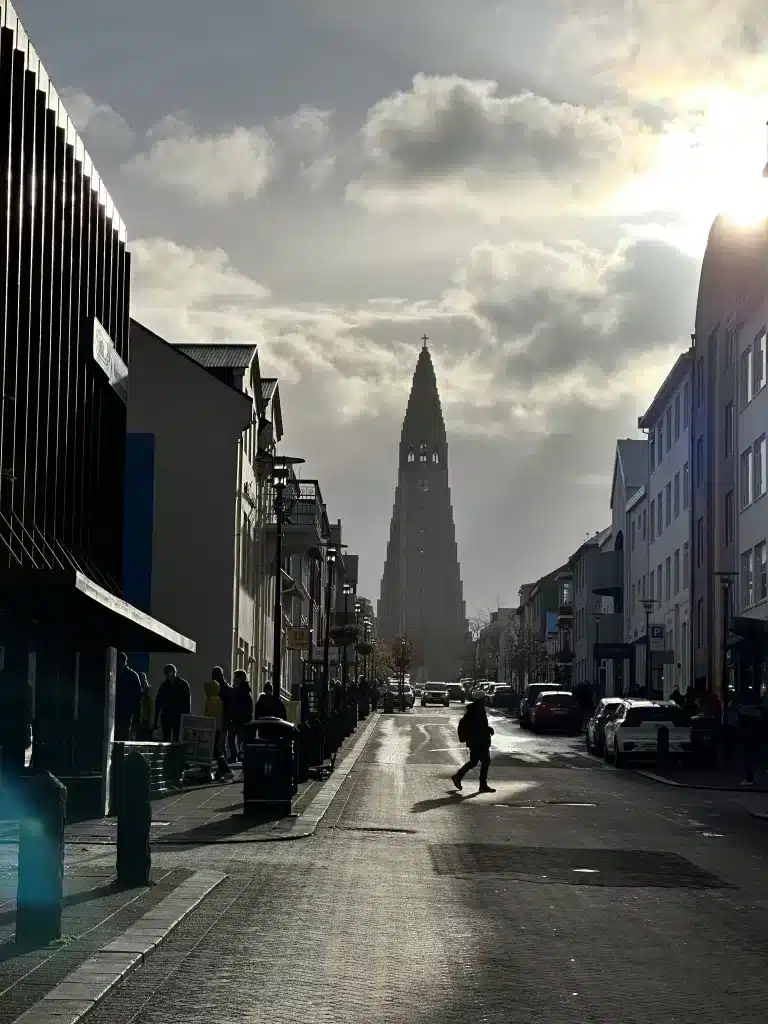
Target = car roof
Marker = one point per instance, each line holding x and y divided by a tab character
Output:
611	700
555	693
635	702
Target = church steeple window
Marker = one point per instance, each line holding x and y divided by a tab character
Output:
435	457
411	456
422	453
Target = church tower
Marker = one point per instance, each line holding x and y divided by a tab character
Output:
421	591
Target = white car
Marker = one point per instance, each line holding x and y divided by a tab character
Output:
632	731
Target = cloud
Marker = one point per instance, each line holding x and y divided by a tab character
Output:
669	51
212	169
452	142
103	128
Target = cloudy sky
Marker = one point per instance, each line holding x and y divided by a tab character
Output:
529	183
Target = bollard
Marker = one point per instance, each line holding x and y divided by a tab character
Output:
662	746
134	818
40	892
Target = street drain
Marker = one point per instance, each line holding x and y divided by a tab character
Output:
390	831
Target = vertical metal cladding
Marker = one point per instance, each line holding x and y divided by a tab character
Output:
63	261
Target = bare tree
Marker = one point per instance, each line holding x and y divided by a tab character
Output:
480	638
522	648
401	654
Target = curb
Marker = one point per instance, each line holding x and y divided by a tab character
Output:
99	975
691	785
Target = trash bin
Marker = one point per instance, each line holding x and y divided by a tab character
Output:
269	765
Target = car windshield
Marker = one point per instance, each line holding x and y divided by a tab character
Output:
557	700
608	709
435	687
656	713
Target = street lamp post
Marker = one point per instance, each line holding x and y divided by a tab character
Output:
281	466
726	582
349	589
648	604
357	640
330	556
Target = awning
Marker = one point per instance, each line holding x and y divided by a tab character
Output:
80	614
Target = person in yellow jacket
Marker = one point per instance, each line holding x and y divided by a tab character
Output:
214	708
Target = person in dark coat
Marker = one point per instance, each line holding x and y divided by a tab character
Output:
229	734
128	694
476	733
173	700
269	706
242	705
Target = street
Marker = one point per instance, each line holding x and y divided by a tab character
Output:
574	893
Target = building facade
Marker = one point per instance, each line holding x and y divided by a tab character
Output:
589	625
667	538
64	356
421	590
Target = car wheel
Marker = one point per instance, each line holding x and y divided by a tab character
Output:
446	703
463	699
618	757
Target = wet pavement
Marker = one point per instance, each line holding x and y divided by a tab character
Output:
574	893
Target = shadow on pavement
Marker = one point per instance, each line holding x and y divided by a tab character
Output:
453	797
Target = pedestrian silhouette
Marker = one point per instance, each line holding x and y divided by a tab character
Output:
476	733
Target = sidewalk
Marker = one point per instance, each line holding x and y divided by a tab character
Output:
107	929
726	779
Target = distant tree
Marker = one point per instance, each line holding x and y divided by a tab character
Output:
479	627
523	647
401	654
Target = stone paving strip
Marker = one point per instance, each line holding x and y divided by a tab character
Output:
105	969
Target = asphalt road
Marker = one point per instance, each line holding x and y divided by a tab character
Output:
575	893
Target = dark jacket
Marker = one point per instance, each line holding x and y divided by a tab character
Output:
269	706
477	732
241	705
173	699
128	694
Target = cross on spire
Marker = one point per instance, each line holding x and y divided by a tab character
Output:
425	339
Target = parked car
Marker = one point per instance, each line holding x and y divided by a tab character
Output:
632	732
530	696
417	689
502	696
555	710
457	692
410	696
435	693
607	707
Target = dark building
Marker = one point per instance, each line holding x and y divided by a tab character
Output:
64	322
421	590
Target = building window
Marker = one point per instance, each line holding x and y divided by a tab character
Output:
632	535
700	462
745	376
435	457
686	405
642	585
652	449
658	584
700	622
668	578
423	453
677	495
660	446
758	361
686	564
747	579
729	518
677	416
411	456
668	427
677	572
686	485
730	338
653	521
700	382
746	478
758	472
632	601
668	500
761	572
659	514
700	541
645	523
728	429
651	580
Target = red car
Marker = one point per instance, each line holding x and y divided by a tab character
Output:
556	709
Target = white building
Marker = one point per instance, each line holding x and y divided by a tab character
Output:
748	439
665	578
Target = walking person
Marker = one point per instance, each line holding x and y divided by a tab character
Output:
375	696
173	700
229	735
475	732
128	694
214	708
269	706
242	706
